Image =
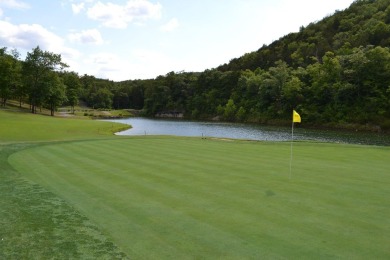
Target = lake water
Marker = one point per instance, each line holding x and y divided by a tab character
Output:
145	126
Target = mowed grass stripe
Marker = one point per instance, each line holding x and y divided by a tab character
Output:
149	189
116	191
51	152
185	197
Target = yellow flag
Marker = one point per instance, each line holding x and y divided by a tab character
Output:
296	117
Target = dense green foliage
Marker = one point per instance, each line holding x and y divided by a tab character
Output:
335	72
365	22
43	85
36	80
10	76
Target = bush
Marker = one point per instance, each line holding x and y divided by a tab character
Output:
385	125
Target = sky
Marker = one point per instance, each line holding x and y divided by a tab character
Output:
142	39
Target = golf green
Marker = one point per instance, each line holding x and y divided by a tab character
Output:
191	198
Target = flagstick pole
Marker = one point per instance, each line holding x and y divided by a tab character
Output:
292	141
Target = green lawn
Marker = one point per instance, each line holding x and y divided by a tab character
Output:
26	127
76	191
188	198
34	222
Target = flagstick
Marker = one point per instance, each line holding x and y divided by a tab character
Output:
292	141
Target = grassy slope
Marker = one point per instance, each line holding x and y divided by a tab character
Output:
178	198
22	127
36	223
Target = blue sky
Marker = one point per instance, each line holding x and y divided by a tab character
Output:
139	39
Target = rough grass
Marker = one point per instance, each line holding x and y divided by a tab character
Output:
188	198
22	127
80	111
34	222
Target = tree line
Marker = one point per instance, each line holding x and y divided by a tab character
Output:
38	80
41	80
334	72
351	86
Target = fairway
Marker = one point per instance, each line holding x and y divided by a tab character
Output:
17	127
191	198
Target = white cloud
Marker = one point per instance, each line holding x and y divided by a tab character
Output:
14	4
1	12
104	59
105	65
140	64
70	57
150	63
28	36
143	9
119	16
109	14
170	26
92	36
77	8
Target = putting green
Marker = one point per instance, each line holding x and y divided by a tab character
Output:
188	198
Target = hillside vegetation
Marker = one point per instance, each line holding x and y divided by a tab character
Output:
335	72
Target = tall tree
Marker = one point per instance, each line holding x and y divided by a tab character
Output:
55	95
10	74
73	87
37	67
271	88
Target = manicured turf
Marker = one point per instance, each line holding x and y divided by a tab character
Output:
189	198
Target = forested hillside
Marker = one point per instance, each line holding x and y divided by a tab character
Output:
365	23
335	72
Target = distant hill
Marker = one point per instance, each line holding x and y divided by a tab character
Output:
335	72
365	22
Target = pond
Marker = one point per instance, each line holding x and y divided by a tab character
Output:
146	126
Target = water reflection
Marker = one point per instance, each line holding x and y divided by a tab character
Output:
144	126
